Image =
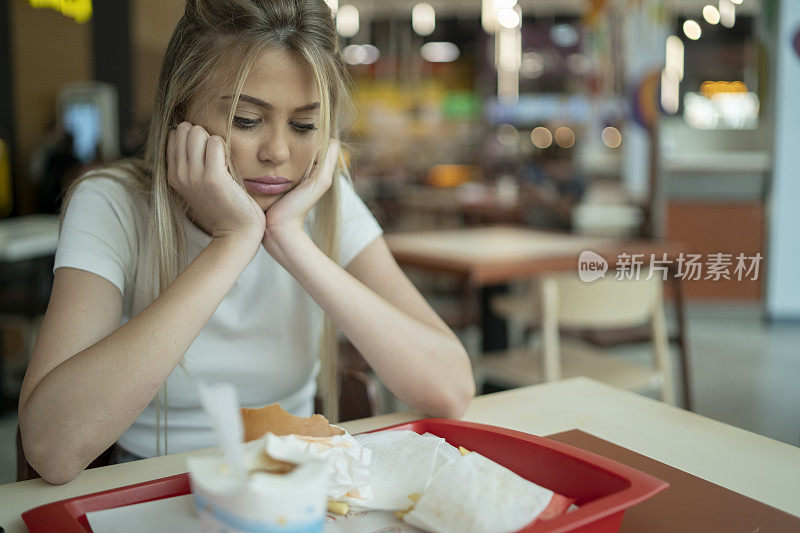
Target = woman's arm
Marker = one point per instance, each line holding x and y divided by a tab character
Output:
88	378
375	305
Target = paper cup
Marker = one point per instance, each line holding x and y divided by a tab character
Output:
290	503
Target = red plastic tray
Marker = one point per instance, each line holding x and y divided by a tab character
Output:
603	489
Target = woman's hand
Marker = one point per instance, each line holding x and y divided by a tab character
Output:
287	216
197	170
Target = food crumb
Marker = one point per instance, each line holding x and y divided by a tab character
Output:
414	497
340	508
463	451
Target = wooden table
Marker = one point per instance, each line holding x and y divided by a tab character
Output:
487	256
497	254
451	206
758	467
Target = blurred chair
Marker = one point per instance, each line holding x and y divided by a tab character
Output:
358	388
607	220
607	210
359	395
563	301
27	248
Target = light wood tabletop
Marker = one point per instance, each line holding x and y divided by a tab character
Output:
497	254
756	466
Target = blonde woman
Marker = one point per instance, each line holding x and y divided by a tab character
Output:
227	253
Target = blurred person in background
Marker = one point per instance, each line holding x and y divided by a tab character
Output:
53	167
549	189
60	171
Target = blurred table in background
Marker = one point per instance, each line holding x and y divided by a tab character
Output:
486	258
28	237
27	249
433	207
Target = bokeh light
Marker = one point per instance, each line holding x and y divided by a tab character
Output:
692	29
507	135
541	137
565	137
711	14
612	137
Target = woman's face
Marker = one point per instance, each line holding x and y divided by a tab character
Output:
275	125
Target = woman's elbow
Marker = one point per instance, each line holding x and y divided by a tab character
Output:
51	463
58	476
460	404
51	469
454	403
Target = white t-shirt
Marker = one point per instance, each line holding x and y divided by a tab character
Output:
264	336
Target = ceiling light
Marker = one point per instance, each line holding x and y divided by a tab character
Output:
347	20
711	14
423	19
692	29
439	52
508	18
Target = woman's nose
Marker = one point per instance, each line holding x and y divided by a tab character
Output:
273	147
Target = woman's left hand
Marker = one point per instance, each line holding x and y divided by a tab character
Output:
287	215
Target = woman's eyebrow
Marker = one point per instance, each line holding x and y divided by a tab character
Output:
270	107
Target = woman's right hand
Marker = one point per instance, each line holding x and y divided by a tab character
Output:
197	170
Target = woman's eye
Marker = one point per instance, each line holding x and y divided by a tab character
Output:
303	128
245	123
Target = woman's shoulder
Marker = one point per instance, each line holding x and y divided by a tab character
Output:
109	193
104	224
118	182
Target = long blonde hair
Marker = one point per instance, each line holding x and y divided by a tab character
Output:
225	37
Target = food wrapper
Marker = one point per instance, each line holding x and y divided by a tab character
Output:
247	489
476	495
348	462
263	501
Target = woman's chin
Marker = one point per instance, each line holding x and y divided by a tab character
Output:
266	201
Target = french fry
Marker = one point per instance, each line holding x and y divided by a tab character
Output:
463	450
338	507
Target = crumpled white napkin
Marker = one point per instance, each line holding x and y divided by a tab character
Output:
477	495
403	462
348	462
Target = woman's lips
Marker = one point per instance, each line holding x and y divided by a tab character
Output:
268	185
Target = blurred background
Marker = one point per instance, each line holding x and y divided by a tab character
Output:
664	126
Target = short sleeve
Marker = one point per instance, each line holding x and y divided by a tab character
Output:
98	233
359	227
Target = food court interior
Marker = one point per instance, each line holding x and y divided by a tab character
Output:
604	188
